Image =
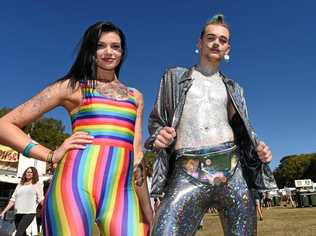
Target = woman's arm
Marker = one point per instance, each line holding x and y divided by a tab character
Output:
138	153
11	133
40	193
141	183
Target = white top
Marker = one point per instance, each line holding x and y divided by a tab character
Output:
26	197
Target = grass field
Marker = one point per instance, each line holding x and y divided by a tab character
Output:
277	221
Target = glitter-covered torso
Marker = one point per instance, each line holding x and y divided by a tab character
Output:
204	121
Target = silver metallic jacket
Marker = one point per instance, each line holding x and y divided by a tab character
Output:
167	112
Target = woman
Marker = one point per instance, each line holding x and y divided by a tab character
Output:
94	178
27	195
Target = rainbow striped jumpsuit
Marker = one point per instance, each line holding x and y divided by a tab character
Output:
96	184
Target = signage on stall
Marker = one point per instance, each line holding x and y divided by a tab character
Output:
8	155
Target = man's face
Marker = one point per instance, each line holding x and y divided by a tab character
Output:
214	43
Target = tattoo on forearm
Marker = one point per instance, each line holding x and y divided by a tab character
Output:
39	101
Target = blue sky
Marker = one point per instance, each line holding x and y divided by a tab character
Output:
272	57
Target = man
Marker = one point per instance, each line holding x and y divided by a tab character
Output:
207	149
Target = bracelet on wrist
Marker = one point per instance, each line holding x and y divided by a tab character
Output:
28	147
49	158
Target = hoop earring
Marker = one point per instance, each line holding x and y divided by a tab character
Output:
226	57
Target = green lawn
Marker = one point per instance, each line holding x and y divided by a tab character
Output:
277	221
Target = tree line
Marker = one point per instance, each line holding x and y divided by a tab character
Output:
301	166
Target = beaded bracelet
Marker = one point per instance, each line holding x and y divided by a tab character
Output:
50	157
27	149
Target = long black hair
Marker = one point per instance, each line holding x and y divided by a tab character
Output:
84	67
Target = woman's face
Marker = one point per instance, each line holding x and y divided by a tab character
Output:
29	174
109	51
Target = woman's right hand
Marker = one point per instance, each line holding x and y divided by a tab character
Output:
76	141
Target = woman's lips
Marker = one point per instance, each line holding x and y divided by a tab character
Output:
108	60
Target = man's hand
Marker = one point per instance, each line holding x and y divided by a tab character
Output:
165	137
264	153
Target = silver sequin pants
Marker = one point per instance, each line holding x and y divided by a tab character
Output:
187	200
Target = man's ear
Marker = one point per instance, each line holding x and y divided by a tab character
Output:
228	50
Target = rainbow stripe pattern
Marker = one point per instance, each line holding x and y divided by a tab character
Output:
96	184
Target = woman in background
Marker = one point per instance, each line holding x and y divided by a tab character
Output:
25	198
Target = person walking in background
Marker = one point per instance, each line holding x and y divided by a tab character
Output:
208	153
94	179
289	198
257	196
25	198
267	200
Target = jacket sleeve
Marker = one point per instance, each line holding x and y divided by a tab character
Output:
158	117
244	109
259	172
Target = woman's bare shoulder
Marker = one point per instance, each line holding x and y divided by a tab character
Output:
71	94
138	95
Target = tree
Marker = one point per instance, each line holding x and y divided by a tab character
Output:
295	167
4	111
311	171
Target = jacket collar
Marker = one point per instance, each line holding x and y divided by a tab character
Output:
226	80
188	76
